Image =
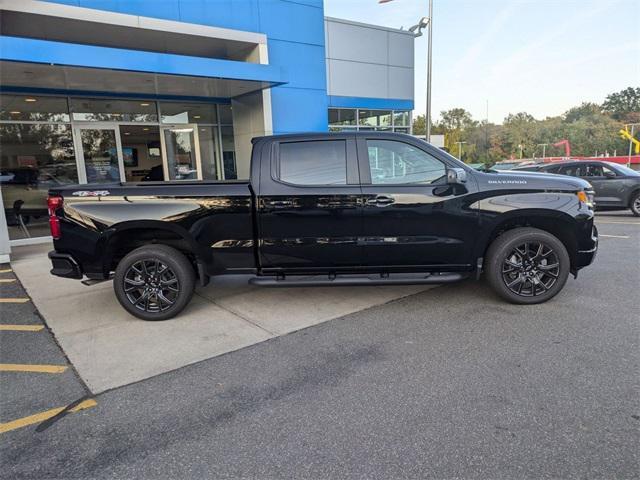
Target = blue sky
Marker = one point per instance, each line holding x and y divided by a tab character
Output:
538	56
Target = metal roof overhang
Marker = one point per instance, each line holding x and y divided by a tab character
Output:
42	65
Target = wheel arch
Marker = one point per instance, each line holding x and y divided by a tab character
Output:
559	224
632	194
125	237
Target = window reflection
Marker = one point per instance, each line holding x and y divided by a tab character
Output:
98	110
33	108
34	158
174	113
353	119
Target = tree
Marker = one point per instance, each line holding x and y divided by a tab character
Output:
520	134
456	119
624	105
419	126
587	109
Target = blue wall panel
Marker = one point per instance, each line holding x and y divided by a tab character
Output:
372	103
298	110
20	49
294	22
234	14
302	65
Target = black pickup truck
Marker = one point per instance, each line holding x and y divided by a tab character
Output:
327	209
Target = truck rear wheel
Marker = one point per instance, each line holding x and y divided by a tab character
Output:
527	265
154	282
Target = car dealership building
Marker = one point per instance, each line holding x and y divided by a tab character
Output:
103	91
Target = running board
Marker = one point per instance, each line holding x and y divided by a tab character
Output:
397	279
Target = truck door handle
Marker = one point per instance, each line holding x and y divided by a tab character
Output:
280	203
381	201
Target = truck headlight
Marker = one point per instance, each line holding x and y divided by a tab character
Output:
586	197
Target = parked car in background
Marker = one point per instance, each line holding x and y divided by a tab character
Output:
617	187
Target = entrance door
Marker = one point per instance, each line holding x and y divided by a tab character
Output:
181	152
100	155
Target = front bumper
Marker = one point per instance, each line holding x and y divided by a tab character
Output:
585	257
64	265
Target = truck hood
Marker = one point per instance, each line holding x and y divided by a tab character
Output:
537	180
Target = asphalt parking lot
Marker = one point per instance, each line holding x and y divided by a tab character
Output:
450	382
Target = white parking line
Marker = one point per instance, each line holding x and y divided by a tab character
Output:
617	223
613	236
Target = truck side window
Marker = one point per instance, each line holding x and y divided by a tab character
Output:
322	162
394	162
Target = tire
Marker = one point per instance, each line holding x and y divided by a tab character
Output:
153	297
515	262
634	205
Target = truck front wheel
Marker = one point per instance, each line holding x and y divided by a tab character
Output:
154	282
527	265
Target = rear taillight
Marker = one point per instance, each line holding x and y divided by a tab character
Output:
53	204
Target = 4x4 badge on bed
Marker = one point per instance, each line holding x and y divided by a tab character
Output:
91	193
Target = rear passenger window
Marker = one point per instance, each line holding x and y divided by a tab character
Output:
321	162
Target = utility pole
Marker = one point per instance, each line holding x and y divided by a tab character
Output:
544	149
429	60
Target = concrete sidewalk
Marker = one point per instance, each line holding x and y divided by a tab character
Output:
111	348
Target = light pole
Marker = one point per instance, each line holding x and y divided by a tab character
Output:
427	119
424	22
460	149
544	149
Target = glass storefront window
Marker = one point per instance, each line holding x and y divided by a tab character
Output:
33	108
401	119
177	113
342	116
375	118
351	119
99	110
33	159
208	153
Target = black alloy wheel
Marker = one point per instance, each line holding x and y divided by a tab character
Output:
527	265
151	286
154	282
531	269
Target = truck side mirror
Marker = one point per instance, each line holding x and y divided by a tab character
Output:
456	175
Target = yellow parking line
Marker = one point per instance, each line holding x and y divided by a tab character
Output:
21	328
6	270
7	280
20	367
14	300
42	416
